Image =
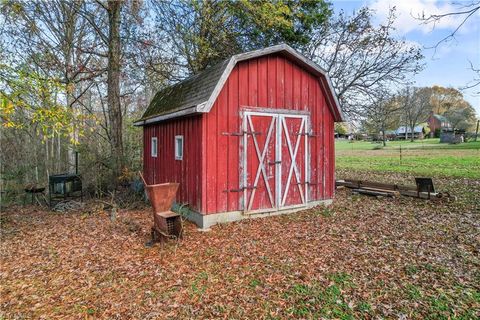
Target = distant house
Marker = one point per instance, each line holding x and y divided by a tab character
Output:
390	134
404	132
347	135
438	124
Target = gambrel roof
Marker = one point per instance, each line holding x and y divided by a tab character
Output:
198	93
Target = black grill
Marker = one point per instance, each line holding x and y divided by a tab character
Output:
64	187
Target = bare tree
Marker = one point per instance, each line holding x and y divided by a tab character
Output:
362	59
475	82
83	46
113	82
105	19
415	104
465	10
382	113
48	35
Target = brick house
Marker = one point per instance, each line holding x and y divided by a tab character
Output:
438	124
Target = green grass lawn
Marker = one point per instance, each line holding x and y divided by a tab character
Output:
424	157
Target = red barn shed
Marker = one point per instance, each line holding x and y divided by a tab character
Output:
248	137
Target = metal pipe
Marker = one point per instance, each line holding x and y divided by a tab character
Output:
76	162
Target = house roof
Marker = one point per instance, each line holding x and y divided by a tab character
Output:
198	93
440	118
416	129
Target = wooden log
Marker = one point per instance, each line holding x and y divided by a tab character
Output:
387	190
346	184
421	195
393	193
373	193
350	183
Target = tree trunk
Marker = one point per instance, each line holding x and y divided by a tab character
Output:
383	137
412	133
113	82
72	135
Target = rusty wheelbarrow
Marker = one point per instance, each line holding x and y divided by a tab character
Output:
166	223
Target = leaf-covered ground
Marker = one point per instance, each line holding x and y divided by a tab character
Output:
361	258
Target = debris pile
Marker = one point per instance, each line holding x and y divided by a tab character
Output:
66	206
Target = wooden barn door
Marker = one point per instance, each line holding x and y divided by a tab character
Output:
294	165
274	161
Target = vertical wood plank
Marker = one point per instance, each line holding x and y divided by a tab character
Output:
280	87
233	142
222	149
271	81
288	85
296	83
262	82
253	83
321	140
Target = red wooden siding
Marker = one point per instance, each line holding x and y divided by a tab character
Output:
266	82
164	168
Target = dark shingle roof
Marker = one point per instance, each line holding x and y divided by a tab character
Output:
187	93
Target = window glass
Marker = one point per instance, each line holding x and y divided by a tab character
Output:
154	147
178	147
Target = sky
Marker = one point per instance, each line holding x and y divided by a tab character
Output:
448	65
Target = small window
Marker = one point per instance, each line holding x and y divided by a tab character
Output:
178	147
154	147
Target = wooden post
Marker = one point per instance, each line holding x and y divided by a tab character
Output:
476	131
400	154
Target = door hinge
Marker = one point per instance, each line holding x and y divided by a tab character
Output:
274	162
233	190
236	134
240	189
254	133
239	134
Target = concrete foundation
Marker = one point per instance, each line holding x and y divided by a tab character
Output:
206	221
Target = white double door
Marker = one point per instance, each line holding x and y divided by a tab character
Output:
274	161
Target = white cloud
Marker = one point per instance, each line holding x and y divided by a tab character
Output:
409	11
